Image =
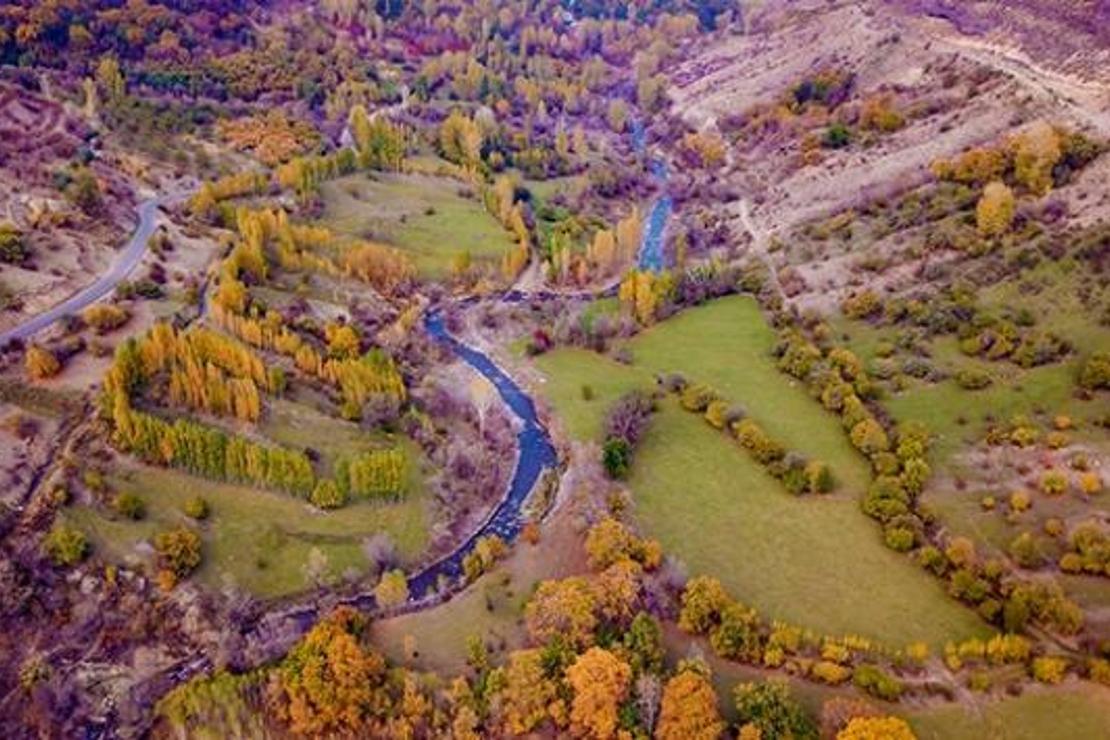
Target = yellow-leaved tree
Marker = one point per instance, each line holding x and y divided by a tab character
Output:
600	682
995	212
689	709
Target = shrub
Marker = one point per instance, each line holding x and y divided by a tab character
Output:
697	397
973	379
129	505
1095	374
737	637
915	473
1090	542
878	113
1020	501
793	478
392	589
1071	562
1055	440
770	708
869	437
65	545
1026	551
1054	526
675	383
1090	483
105	318
13	250
1049	669
1024	435
820	478
932	559
994	213
196	508
179	550
327	495
1098	670
627	419
837	136
874	728
886	498
41	363
703	600
831	673
717	414
877	683
899	539
487	551
862	305
752	437
1054	482
616	458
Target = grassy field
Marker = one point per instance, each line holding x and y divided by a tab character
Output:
299	424
490	609
570	372
956	416
421	214
258	540
1050	291
806	560
1071	712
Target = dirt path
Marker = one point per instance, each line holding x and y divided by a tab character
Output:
760	246
1087	101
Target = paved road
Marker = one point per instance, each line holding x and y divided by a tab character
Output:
124	263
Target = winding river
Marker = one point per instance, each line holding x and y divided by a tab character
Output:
536	454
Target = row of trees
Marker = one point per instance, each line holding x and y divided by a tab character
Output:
197	360
837	377
797	474
1036	159
357	378
610	250
209	452
643	293
375	474
207	199
207	370
378	144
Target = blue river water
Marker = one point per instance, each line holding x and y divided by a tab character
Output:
535	455
651	256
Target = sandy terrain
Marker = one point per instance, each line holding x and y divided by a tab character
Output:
958	91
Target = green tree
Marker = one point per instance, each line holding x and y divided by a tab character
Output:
129	505
392	589
616	458
65	545
769	706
